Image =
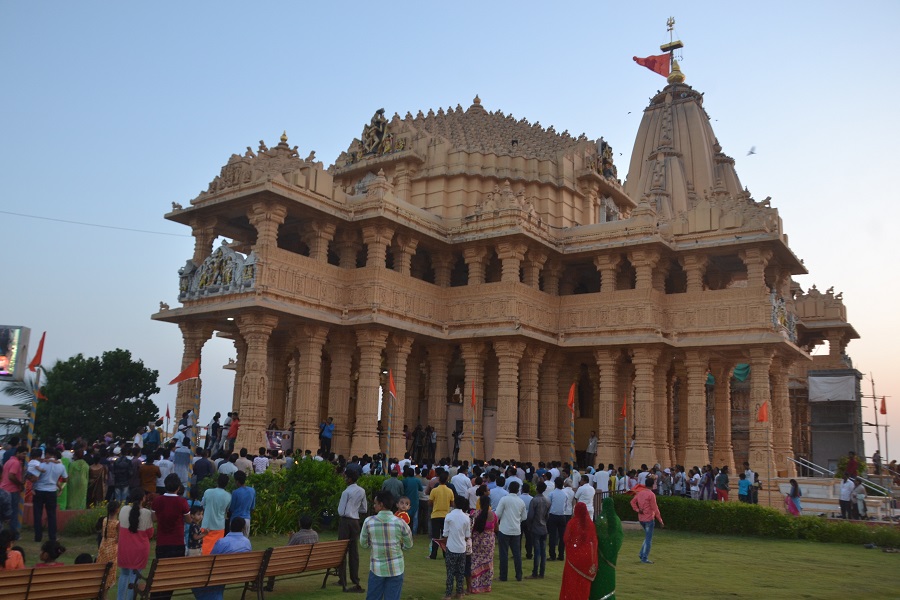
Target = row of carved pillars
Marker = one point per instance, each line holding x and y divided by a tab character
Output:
530	384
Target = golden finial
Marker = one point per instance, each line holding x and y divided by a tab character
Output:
477	100
676	76
284	137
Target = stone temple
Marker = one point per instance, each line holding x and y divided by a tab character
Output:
465	252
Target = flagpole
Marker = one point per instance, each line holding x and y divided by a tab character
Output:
625	442
390	418
20	506
571	405
194	441
472	436
875	410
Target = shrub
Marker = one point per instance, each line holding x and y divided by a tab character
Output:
86	522
735	518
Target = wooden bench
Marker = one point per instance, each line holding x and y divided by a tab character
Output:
305	560
185	573
75	582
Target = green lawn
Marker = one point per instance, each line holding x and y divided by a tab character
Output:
686	565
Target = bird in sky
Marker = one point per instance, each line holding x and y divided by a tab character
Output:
751	151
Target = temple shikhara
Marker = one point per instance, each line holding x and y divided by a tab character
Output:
467	252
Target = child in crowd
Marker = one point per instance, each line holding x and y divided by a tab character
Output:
51	550
108	540
196	532
743	488
403	509
84	559
9	558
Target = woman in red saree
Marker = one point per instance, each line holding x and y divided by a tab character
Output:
581	556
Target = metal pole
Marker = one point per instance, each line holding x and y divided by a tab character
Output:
875	409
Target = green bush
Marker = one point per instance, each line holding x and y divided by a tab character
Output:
371	484
85	523
735	518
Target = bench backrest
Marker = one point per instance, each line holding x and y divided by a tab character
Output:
170	574
286	560
70	582
327	555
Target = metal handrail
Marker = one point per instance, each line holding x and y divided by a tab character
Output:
820	469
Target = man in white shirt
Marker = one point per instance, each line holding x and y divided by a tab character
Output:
461	482
601	482
591	450
554	471
642	475
585	493
351	507
847	486
512	477
511	512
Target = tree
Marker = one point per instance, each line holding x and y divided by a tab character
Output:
90	396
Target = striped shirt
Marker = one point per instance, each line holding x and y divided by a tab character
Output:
387	536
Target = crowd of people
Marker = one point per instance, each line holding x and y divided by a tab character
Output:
531	514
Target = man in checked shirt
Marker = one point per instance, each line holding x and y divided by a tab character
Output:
388	537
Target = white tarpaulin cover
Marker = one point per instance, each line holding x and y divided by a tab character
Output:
832	388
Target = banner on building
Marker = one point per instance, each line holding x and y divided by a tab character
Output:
824	389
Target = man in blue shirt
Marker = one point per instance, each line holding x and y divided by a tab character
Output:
327	434
233	543
243	500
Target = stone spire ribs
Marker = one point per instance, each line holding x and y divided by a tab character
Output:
677	158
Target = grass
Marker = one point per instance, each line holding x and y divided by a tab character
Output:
697	565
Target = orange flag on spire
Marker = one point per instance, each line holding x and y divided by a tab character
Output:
473	394
658	64
763	415
571	403
39	355
624	412
192	372
883	407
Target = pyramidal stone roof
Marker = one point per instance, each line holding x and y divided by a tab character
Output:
478	130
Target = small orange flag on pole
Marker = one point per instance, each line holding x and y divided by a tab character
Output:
624	412
38	356
763	415
883	407
192	372
571	402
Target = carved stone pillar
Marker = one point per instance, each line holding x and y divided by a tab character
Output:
412	396
365	432
280	349
442	263
474	257
606	264
377	238
438	362
552	271
782	431
398	357
204	231
608	450
696	451
533	263
645	441
309	339
256	329
240	348
694	268
405	250
547	425
194	335
347	247
317	234
511	256
528	404
266	216
661	409
644	261
509	353
723	450
341	345
762	458
473	355
659	275
756	259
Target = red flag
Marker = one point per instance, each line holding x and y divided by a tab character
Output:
192	372
391	387
763	415
167	410
883	407
473	395
571	403
624	412
39	395
38	356
658	64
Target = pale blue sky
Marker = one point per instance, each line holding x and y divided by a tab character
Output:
110	111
